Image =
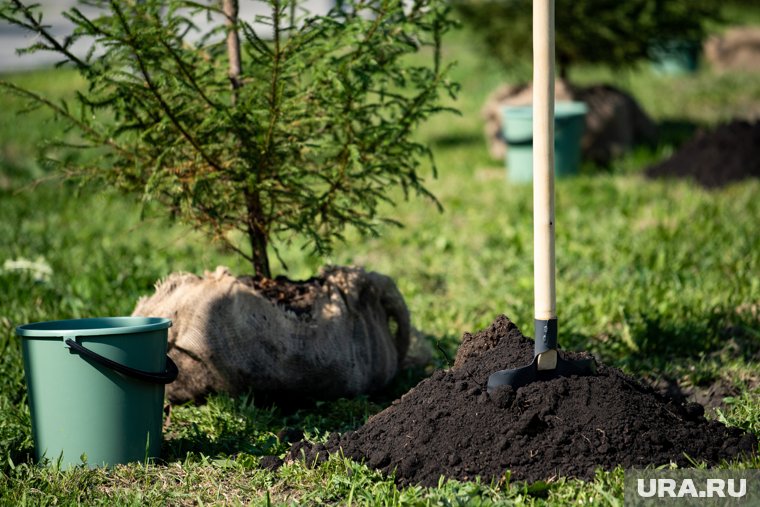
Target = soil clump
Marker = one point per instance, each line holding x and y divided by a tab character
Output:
296	296
448	425
715	158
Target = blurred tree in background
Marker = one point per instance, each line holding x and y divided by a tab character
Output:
616	33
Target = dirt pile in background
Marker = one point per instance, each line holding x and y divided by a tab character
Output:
448	425
716	158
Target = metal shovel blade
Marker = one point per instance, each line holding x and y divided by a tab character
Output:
518	377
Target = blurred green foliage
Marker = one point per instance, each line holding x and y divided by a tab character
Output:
609	32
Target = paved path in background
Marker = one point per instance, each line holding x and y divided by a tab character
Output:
13	38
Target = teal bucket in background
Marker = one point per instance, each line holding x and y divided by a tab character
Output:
517	125
96	388
675	57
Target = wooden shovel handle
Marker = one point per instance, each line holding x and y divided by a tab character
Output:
543	159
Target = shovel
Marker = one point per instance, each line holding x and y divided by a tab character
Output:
547	363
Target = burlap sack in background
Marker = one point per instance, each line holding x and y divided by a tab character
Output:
737	49
228	337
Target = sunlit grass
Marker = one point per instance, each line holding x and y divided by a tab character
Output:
660	278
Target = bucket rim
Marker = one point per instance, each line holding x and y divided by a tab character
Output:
98	326
562	108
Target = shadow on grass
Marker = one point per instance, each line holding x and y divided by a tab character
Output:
707	362
662	341
221	426
709	359
671	135
676	132
454	140
224	426
177	449
666	337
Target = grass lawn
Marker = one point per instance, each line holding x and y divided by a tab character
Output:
660	278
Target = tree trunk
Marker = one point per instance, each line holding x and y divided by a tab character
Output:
257	233
258	236
231	8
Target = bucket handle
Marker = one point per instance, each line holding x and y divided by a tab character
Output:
166	377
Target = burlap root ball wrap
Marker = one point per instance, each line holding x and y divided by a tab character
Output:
228	337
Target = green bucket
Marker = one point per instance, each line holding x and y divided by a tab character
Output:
96	388
675	57
569	123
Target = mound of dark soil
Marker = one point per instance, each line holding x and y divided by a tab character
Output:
713	159
448	425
